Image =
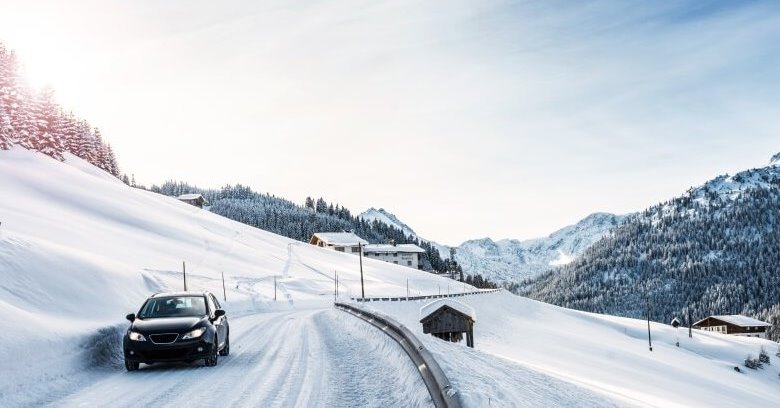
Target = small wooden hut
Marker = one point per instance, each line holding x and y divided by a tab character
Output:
449	322
193	199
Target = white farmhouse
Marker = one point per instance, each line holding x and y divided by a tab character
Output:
737	325
339	241
399	254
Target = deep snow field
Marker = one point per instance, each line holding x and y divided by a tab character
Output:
519	341
79	250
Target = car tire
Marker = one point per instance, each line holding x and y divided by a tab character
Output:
132	365
226	350
213	359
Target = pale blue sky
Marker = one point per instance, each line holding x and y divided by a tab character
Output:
465	118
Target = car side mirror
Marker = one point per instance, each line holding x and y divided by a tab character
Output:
219	313
130	317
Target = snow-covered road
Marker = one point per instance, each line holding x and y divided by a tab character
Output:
301	358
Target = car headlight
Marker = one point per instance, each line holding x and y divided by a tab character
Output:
194	334
135	336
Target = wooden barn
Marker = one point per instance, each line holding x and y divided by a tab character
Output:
193	199
449	320
737	325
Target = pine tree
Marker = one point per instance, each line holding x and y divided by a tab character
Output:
7	99
69	129
84	144
113	167
46	137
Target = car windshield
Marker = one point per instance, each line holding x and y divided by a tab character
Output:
173	306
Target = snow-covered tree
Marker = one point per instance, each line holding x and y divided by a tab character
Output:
34	121
46	137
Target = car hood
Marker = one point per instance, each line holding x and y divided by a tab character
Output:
166	324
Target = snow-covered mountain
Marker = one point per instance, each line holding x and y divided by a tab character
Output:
510	260
713	250
775	160
390	219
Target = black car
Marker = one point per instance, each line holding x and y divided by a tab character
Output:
177	326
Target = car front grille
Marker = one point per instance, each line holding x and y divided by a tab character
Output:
165	338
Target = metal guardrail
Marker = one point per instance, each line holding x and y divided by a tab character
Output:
442	392
405	298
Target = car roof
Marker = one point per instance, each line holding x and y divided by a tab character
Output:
188	293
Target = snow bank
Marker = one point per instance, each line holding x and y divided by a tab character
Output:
530	353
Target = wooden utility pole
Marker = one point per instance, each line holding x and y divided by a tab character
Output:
360	254
690	325
224	293
649	340
184	271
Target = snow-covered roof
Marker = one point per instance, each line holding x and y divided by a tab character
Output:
340	238
393	248
436	304
738	320
193	196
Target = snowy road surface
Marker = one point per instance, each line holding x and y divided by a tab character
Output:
298	358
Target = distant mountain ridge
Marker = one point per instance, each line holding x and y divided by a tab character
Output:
389	218
509	260
713	250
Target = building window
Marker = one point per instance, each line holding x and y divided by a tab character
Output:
395	254
340	249
395	262
355	250
409	263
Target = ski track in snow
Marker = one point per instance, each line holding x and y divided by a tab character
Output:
297	358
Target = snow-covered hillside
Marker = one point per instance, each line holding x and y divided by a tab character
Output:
511	260
390	219
79	250
713	250
532	354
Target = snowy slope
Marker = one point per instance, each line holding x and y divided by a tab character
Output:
390	219
79	250
775	160
509	261
529	353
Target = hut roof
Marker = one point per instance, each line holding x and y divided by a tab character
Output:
193	196
410	248
737	320
340	238
430	308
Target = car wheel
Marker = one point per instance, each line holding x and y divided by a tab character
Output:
211	360
131	365
226	350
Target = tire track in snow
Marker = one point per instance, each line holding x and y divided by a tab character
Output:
296	358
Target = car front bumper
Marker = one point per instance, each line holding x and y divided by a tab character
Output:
149	352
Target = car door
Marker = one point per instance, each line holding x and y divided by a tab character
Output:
221	322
